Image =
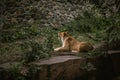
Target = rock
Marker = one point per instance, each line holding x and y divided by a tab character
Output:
55	68
60	68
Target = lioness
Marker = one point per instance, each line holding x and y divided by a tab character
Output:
70	44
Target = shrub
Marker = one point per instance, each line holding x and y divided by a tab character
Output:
35	49
36	52
13	73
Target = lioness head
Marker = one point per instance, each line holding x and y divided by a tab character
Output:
63	34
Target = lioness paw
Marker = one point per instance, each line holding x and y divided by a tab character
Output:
56	49
75	51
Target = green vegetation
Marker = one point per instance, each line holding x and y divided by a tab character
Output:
38	43
19	32
26	37
12	73
37	51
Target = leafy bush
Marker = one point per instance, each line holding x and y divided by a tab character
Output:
17	32
13	73
37	52
113	31
35	49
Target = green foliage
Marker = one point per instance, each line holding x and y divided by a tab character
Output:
36	52
10	49
30	49
33	72
113	31
90	23
17	32
35	49
13	73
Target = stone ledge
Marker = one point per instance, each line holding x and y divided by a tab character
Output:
58	59
64	67
60	68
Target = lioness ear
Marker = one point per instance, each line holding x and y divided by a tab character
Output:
66	34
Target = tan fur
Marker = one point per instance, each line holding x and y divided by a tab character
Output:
70	44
